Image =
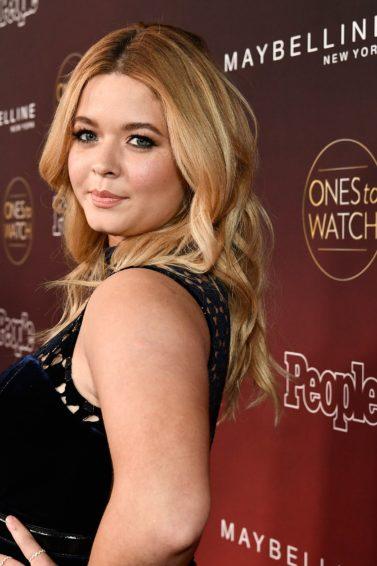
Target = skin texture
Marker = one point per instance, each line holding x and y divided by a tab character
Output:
145	340
152	383
108	158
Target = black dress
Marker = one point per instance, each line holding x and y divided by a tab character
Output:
56	472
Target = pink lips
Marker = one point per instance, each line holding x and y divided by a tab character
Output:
105	199
105	193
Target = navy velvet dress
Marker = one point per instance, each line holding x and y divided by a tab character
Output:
56	470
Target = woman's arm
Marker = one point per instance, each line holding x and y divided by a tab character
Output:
147	344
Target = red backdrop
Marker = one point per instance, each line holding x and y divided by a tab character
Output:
305	493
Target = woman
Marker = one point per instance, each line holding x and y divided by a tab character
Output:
152	158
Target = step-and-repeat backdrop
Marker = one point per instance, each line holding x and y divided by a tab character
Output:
304	493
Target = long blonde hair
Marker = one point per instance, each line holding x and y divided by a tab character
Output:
221	226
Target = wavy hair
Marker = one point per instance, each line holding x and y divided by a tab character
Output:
222	226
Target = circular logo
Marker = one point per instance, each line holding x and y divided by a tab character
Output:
17	207
339	209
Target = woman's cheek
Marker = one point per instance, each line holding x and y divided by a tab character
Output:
71	169
75	173
148	171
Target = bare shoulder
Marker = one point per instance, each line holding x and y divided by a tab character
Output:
147	346
152	302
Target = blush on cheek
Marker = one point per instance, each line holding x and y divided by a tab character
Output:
156	171
145	179
77	179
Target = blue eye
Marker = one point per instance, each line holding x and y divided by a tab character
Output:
144	139
79	133
146	142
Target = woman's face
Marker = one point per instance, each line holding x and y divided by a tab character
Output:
112	150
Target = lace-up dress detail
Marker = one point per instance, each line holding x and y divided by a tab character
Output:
56	358
57	472
210	293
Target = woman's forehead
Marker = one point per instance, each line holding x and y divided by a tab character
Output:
120	86
120	93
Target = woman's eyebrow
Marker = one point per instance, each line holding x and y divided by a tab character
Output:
125	127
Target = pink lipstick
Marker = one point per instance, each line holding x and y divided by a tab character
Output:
105	199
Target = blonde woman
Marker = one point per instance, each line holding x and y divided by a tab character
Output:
109	424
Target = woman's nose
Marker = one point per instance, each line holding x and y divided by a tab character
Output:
104	170
106	161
